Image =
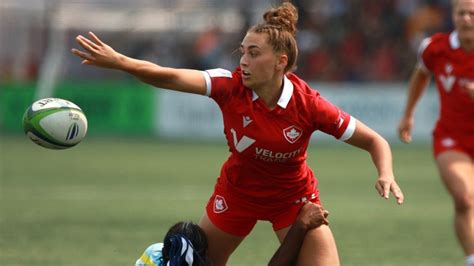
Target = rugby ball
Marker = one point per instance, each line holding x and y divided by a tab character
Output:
55	123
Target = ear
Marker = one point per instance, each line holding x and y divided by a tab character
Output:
282	61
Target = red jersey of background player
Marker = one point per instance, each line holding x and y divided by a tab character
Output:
268	147
452	68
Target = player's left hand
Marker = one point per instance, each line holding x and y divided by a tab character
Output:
385	185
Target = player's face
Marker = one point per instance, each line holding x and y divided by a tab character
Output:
258	61
463	16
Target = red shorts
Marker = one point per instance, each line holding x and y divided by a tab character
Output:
445	141
237	216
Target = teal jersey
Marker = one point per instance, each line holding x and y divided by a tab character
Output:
152	256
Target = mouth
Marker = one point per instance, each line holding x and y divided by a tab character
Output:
467	28
245	74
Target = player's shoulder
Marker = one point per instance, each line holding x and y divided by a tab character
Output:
224	73
301	87
440	37
152	256
224	84
219	73
226	78
154	248
437	42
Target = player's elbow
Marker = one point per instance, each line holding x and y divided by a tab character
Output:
376	143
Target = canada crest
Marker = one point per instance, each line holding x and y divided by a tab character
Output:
292	133
219	204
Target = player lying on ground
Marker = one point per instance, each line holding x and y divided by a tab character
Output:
185	243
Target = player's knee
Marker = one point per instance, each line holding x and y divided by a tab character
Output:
464	203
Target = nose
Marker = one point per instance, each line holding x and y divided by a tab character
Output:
243	60
468	16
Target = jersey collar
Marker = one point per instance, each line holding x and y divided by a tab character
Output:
285	94
454	40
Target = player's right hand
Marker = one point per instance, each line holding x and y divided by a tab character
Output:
312	215
96	52
404	129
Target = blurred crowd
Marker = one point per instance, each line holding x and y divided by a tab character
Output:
339	40
366	40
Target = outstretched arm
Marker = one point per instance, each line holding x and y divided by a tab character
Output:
311	216
379	149
418	84
98	53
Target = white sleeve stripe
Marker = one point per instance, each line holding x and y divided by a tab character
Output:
423	46
421	49
208	82
349	130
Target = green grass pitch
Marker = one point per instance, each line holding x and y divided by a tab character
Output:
104	201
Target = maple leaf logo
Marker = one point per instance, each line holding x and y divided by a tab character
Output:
292	133
219	204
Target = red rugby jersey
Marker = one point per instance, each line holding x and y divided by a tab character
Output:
268	147
452	68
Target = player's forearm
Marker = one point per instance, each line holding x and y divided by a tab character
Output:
381	154
418	84
287	253
184	80
378	148
145	71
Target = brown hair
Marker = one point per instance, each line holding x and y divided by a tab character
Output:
280	25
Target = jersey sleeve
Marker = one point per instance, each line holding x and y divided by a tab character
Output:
424	55
430	48
152	256
219	84
332	120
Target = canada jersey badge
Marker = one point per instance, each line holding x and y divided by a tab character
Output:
219	204
292	133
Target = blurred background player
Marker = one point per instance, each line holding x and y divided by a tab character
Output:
449	58
185	243
269	116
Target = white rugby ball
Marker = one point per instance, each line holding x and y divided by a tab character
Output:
55	123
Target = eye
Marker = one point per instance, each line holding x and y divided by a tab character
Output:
253	54
249	52
463	13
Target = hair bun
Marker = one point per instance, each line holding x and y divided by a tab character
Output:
284	16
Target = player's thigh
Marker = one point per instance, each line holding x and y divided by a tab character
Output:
457	172
220	244
318	249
